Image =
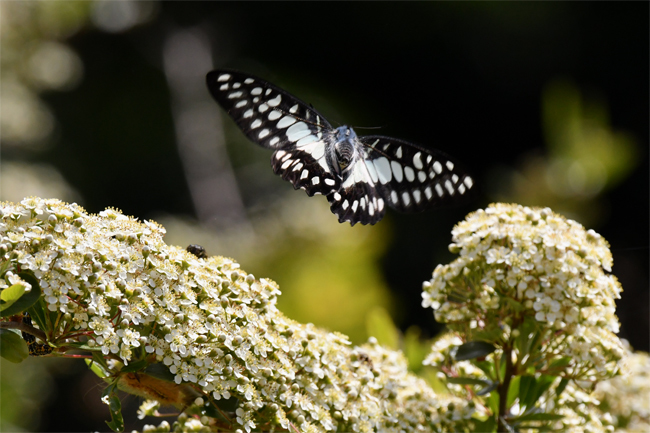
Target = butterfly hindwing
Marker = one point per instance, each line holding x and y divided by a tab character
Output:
414	179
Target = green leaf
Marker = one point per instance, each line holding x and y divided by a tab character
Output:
544	382
513	391
10	295
473	349
527	387
135	367
4	267
20	301
560	387
468	381
493	402
111	398
12	346
487	426
488	389
97	367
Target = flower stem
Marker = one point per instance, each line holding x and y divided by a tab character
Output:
503	390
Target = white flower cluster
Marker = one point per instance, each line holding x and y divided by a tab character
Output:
112	280
516	262
627	397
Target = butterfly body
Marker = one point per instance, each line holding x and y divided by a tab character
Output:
360	176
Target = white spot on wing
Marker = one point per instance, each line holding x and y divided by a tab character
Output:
249	81
256	123
428	193
397	170
298	131
304	174
454	178
417	195
306	140
355	204
337	196
345	205
371	169
417	162
380	204
315	180
439	190
297	166
236	85
468	181
406	198
422	176
274	141
287	163
275	101
450	165
461	189
256	91
450	187
241	103
409	173
437	167
234	95
268	91
293	109
224	77
248	113
383	169
274	115
331	182
224	87
399	152
393	197
263	133
286	121
262	108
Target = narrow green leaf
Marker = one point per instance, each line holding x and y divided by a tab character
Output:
560	387
493	402
473	349
135	367
527	387
468	381
488	389
513	391
96	368
12	346
544	382
24	300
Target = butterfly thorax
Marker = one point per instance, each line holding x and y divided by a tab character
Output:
345	146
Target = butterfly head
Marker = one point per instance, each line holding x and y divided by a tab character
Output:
345	146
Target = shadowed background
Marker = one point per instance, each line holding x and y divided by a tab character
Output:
104	103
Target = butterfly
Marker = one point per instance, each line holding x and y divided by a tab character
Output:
359	175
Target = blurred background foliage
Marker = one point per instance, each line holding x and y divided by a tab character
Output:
104	103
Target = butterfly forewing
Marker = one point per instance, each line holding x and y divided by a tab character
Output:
274	119
414	179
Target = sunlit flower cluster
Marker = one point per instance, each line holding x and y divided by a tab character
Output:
114	283
516	262
627	397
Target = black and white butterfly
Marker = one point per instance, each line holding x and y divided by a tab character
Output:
360	176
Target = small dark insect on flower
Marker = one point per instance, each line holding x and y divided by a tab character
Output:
197	250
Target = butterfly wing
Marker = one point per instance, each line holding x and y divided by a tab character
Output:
275	119
399	174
